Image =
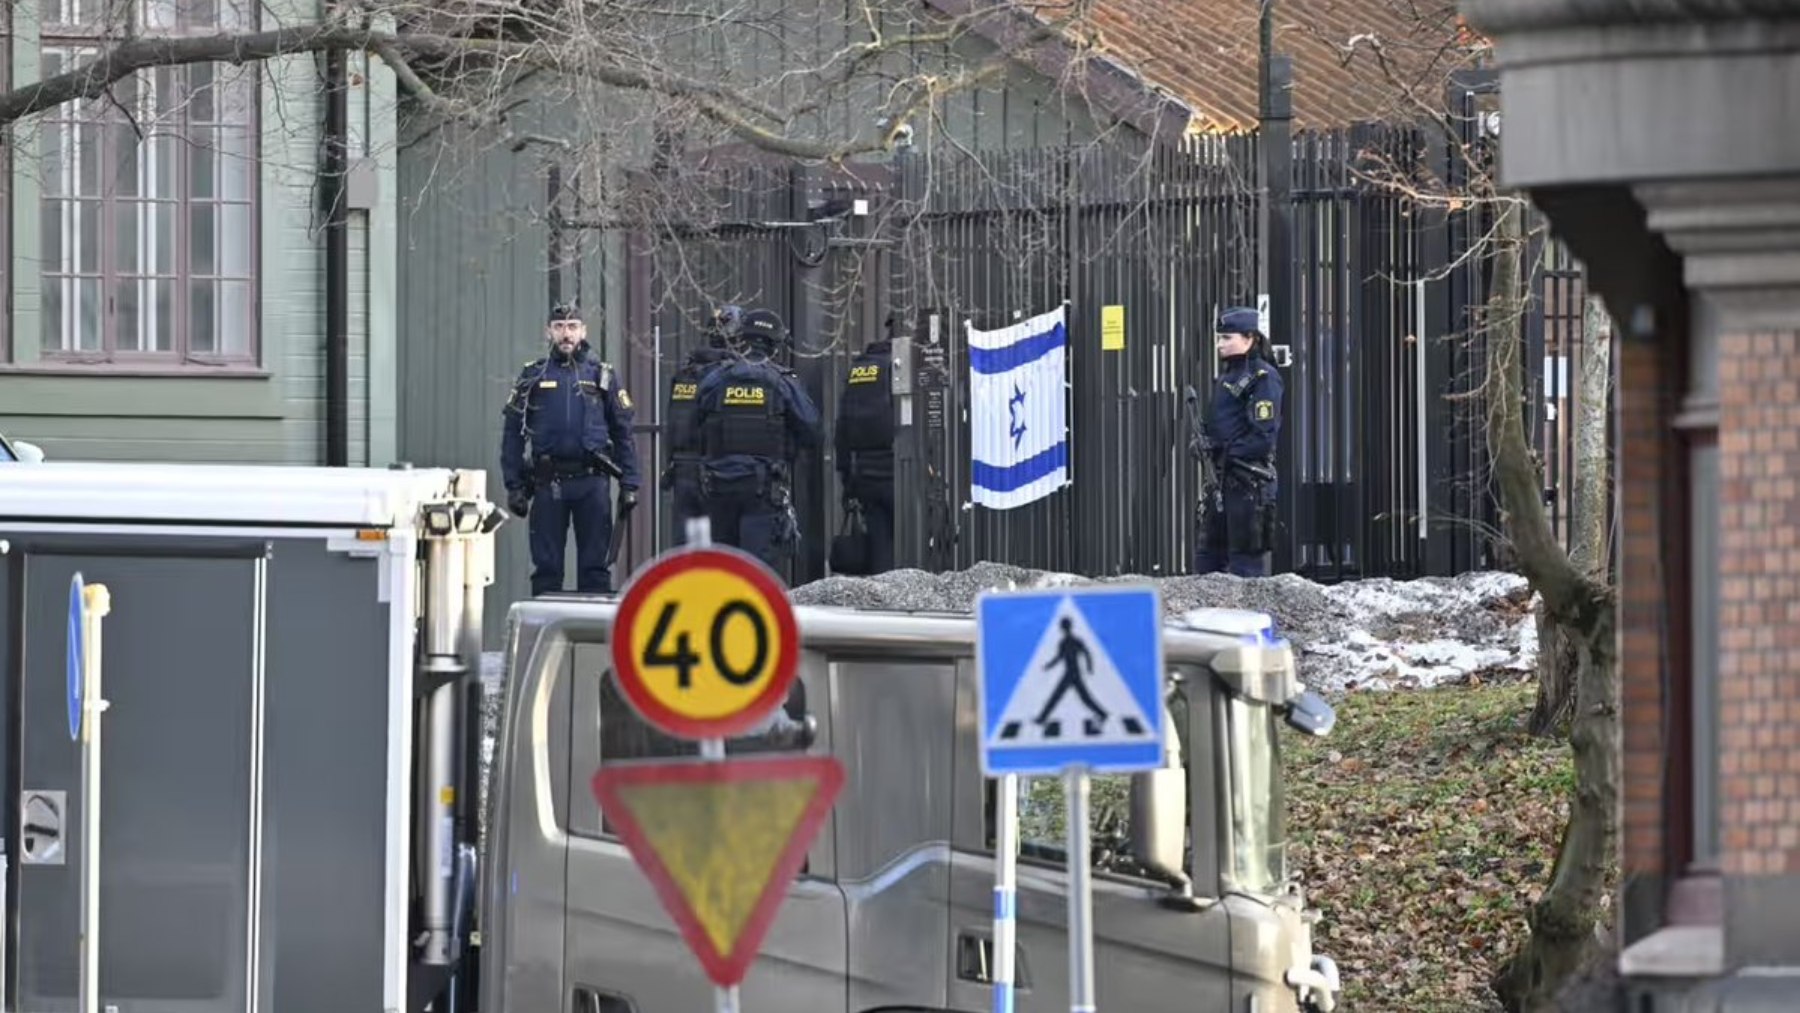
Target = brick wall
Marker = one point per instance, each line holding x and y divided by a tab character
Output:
1759	621
1643	425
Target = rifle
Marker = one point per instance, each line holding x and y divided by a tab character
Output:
621	520
1197	445
1209	495
604	464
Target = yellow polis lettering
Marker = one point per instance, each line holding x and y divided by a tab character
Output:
865	374
744	395
686	391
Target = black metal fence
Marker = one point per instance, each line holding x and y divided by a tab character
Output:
1383	460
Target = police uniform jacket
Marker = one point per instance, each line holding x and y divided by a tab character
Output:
1244	415
566	408
752	414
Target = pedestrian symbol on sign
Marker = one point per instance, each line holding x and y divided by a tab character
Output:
1070	653
1059	692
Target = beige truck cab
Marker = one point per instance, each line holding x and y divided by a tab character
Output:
1194	908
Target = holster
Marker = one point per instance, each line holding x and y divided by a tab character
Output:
1257	473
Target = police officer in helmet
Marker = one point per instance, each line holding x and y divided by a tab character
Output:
571	410
865	450
1243	420
681	477
754	419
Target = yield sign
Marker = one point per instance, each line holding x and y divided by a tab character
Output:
720	841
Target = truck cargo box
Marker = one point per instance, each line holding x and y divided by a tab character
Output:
263	757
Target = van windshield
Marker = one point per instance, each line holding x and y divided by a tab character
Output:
1258	848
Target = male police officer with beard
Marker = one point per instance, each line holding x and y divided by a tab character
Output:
577	418
865	450
1242	424
682	475
754	419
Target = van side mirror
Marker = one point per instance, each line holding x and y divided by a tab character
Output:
1159	816
1309	713
29	453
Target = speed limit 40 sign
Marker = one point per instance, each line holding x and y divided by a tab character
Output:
705	643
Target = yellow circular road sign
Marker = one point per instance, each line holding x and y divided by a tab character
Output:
705	643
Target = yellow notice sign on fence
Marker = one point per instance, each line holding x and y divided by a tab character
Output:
1112	328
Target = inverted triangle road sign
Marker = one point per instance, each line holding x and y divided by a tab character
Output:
720	842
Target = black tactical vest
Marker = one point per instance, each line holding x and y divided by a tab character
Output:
866	411
751	418
684	390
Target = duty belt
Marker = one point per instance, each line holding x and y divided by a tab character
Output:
563	467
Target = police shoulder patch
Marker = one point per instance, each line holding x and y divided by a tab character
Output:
1263	410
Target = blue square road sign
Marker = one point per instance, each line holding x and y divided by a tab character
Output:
1070	677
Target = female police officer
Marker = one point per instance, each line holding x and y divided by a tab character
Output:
1243	420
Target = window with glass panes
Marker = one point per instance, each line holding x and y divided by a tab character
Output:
149	192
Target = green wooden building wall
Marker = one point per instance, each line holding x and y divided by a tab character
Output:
270	414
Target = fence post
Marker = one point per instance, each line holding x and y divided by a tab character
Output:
806	326
1275	276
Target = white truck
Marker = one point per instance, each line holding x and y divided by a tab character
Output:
289	759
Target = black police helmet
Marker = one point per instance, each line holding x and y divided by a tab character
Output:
1238	320
762	330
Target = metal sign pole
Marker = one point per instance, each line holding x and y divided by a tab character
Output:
1006	869
699	536
1081	901
96	604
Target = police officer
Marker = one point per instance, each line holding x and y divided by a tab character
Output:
865	449
1243	420
682	475
576	416
754	419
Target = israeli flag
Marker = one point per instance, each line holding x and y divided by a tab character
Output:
1018	416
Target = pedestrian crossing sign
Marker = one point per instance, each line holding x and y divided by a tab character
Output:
1070	677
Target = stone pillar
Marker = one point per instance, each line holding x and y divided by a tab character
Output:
1741	261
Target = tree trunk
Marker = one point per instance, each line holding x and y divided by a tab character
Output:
1590	505
1563	920
1556	665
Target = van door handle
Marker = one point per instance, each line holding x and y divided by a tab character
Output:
585	1000
975	959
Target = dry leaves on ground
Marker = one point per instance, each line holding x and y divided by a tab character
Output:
1423	827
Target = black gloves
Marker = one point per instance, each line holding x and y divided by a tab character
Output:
627	499
518	502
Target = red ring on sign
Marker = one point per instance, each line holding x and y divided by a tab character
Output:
787	659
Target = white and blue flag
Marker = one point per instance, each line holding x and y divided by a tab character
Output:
1018	415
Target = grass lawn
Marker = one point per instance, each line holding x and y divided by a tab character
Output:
1423	827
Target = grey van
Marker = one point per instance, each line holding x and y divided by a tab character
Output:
1194	908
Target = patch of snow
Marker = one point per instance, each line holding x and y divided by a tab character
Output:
1369	634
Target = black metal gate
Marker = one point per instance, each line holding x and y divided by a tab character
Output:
1383	464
